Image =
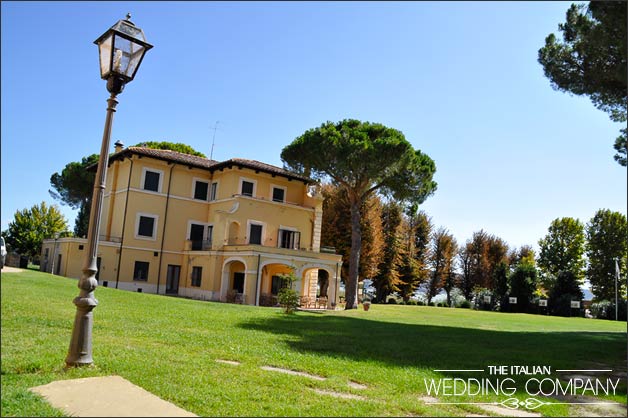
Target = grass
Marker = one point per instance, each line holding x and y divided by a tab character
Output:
168	346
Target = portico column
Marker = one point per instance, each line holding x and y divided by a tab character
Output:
224	285
332	291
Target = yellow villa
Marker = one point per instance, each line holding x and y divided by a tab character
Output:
177	224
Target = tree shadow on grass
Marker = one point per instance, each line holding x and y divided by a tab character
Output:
440	347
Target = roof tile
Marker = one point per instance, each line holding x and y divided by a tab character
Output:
205	163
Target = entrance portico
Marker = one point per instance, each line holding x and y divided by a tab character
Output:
255	276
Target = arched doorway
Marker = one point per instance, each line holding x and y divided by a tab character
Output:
318	286
233	286
272	282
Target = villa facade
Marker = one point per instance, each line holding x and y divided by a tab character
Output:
178	224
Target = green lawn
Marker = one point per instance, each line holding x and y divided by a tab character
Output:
169	347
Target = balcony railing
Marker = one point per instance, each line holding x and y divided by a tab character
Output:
200	245
262	199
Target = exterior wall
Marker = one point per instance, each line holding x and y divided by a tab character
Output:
114	200
175	209
73	252
176	196
271	215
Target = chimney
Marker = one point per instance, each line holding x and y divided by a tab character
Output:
119	146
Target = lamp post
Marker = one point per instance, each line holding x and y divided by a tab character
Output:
121	49
616	280
54	254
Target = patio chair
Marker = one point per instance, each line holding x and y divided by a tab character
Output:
305	302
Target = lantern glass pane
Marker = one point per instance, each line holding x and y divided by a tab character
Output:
121	55
126	56
137	51
105	56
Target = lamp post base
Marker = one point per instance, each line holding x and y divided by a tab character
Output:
80	353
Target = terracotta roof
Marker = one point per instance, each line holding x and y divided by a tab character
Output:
205	163
259	166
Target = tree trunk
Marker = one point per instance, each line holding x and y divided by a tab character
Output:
81	224
351	287
323	282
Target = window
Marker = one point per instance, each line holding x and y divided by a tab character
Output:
213	190
146	226
255	234
289	239
140	273
277	284
151	180
200	234
238	282
197	274
247	188
172	279
196	236
279	194
200	190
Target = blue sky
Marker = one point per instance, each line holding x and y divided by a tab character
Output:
459	79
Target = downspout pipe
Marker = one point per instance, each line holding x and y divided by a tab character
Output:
163	231
126	207
259	260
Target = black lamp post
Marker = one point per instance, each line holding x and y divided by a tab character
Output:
54	253
121	50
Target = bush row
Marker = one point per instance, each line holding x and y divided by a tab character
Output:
602	310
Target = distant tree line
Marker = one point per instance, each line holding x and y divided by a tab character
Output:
403	252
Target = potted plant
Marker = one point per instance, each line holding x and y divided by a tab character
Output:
366	304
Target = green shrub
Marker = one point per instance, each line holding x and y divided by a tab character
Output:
478	299
561	305
465	304
605	309
412	302
420	303
456	296
288	299
391	301
565	290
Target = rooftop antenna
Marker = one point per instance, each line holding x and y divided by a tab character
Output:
211	153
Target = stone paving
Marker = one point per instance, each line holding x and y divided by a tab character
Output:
109	396
7	269
113	396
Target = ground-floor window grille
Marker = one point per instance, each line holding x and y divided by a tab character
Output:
197	274
140	273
